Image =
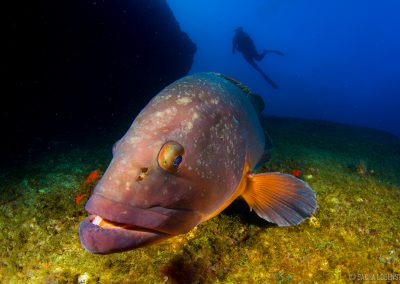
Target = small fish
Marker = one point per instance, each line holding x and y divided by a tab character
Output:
186	157
79	197
92	177
297	173
89	182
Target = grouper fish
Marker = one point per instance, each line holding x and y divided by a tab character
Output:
188	154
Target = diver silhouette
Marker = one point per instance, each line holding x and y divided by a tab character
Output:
244	44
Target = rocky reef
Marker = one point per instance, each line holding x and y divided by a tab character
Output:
354	234
79	68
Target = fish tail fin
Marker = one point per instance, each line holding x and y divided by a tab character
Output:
280	198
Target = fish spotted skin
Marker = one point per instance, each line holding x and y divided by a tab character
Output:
213	124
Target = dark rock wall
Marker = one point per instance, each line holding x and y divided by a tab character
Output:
79	68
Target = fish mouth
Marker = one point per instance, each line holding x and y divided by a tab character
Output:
107	224
114	226
100	236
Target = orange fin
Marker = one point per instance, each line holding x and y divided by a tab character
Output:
280	198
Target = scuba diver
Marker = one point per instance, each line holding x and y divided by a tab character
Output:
244	44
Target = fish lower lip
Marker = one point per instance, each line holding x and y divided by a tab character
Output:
100	240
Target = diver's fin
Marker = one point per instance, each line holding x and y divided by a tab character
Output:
266	78
269	80
280	198
277	52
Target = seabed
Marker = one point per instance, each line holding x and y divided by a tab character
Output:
355	233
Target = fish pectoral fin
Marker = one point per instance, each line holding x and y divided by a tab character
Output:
280	198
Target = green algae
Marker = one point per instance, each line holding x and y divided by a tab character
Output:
355	172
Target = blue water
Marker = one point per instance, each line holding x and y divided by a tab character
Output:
341	60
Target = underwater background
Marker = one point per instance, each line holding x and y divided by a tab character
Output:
341	58
76	73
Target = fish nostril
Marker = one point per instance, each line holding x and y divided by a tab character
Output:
143	173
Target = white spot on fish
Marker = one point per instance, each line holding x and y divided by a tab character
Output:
189	125
183	101
214	101
172	111
195	116
133	140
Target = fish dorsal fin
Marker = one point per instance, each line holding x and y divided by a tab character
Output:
255	99
280	198
239	84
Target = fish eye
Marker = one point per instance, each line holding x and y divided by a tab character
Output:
170	157
177	161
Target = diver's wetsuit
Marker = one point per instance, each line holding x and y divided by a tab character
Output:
244	44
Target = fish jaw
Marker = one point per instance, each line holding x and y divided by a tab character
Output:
99	240
123	227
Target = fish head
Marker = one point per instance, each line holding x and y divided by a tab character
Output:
165	176
139	201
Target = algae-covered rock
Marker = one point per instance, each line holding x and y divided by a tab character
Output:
356	229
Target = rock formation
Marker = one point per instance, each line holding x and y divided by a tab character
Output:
76	67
